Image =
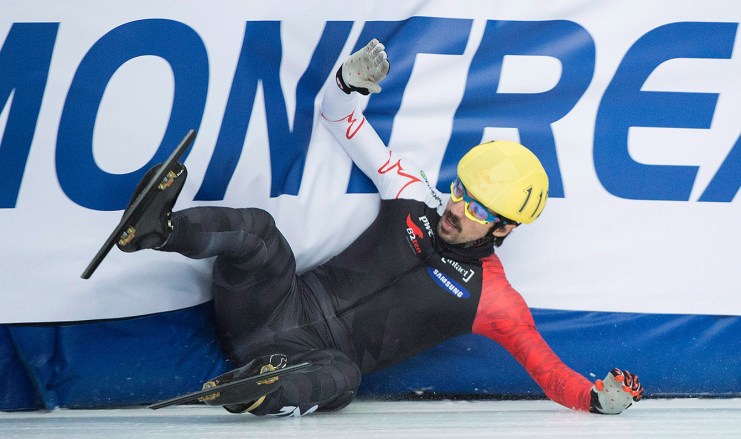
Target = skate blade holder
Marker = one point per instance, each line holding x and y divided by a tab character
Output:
127	236
207	386
168	180
214	384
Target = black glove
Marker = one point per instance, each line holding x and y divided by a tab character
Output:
616	393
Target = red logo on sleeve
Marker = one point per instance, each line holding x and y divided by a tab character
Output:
388	167
352	130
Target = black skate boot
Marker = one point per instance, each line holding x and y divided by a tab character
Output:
151	227
242	399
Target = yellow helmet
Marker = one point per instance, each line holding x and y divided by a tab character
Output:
507	178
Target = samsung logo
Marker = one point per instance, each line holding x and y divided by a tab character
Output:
448	285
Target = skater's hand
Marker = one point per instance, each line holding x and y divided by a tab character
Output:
364	69
615	393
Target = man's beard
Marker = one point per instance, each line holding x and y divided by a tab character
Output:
452	220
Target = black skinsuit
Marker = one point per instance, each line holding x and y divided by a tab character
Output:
382	300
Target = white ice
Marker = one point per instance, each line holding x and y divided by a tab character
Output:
662	418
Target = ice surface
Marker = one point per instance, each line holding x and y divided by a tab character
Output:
675	418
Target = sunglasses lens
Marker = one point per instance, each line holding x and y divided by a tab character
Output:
456	190
478	211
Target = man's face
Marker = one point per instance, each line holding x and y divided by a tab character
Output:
456	228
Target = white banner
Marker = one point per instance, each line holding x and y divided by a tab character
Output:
632	106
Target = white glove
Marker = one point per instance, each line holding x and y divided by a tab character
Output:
615	393
364	69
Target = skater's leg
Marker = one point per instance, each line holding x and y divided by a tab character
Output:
254	269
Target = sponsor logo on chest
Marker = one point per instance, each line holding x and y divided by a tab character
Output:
415	234
448	285
466	273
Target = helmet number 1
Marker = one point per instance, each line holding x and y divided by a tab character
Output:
528	194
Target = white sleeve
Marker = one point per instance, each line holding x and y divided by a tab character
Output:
395	177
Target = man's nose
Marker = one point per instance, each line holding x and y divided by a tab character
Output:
457	208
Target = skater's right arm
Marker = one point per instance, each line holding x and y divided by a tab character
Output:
504	317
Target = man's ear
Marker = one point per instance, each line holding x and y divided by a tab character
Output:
502	231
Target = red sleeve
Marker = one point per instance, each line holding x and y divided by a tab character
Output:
504	317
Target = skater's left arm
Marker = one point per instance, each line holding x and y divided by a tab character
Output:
504	317
393	175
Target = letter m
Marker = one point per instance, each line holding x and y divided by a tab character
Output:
24	68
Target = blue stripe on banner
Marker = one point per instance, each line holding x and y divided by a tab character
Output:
145	359
114	363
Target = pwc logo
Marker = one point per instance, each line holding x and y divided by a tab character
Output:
414	235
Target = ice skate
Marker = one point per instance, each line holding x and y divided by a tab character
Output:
150	230
243	389
149	224
242	398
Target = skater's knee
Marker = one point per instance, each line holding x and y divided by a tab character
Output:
339	368
257	221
